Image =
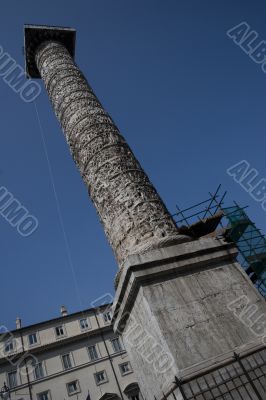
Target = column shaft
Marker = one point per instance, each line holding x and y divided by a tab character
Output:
131	211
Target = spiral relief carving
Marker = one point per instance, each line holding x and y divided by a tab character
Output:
132	213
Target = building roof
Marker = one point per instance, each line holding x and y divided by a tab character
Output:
57	319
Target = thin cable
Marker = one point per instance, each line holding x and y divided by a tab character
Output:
88	334
68	252
61	219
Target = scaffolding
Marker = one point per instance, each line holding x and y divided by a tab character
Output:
212	218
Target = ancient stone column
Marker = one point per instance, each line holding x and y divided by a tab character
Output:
178	302
133	215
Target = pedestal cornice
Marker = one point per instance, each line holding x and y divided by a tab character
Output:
165	263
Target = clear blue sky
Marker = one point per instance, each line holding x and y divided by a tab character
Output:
188	100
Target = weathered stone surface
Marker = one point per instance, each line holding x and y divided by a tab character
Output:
133	215
179	296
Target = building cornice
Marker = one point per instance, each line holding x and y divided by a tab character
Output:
68	371
57	319
57	343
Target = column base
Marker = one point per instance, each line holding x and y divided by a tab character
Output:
172	308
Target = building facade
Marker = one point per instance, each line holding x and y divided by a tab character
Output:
75	356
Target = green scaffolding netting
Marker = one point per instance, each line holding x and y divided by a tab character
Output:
251	244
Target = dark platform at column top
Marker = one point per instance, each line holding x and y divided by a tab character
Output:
34	35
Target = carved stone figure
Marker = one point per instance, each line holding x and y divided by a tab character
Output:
133	215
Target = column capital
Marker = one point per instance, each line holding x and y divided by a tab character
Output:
35	35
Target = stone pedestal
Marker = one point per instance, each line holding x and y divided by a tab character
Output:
173	307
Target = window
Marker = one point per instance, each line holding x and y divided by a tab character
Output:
43	396
116	345
125	368
73	387
93	353
100	377
9	346
32	338
38	371
12	379
107	317
84	324
67	361
132	391
60	331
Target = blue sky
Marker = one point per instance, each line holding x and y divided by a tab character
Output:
189	101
